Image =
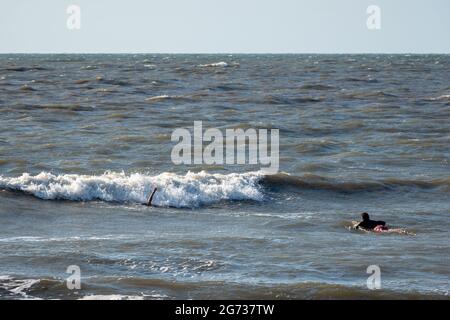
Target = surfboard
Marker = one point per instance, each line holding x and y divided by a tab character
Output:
393	230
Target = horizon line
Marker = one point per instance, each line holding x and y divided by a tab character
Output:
237	53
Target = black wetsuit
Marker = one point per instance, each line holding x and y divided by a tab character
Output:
370	224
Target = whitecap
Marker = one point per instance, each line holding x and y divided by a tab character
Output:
189	190
441	98
216	64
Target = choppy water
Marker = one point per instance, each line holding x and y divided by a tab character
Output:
84	138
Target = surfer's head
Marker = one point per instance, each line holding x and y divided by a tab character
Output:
365	216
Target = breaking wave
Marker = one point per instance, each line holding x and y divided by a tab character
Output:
193	189
150	289
189	190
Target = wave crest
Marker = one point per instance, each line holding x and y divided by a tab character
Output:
193	189
189	190
314	182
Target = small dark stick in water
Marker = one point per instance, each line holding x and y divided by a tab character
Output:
149	202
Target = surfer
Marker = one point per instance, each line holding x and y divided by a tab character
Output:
367	224
149	201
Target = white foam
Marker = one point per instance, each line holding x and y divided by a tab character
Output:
153	296
164	97
111	297
216	64
62	239
440	98
189	190
17	286
157	98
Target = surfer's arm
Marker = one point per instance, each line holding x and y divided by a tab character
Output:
149	202
361	226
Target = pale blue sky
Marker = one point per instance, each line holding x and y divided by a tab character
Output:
222	26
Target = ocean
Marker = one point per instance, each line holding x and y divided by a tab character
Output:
85	138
